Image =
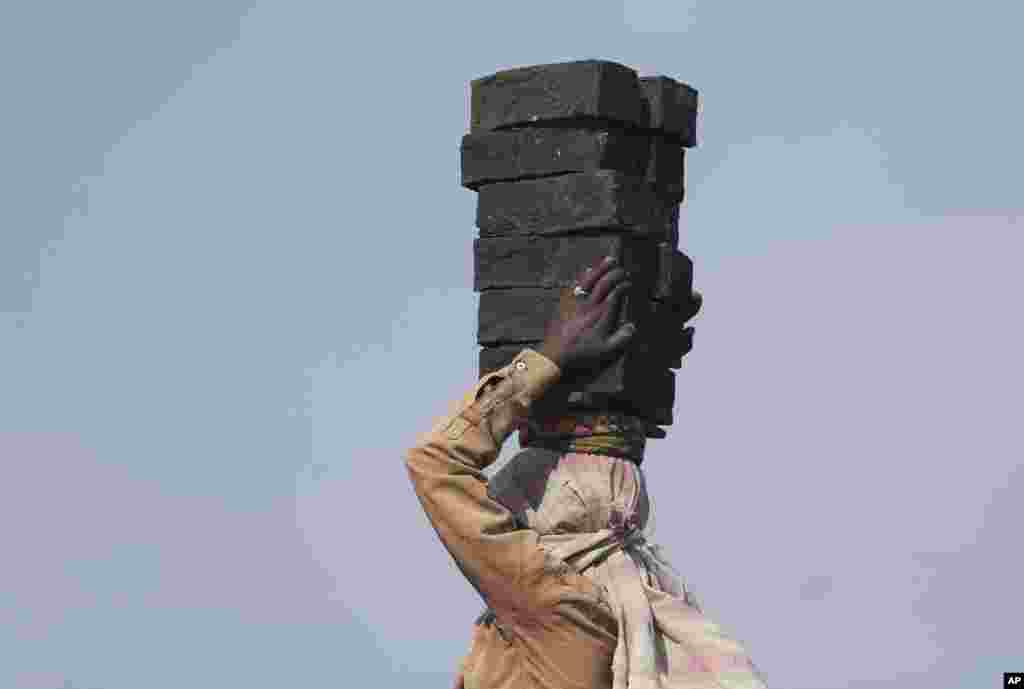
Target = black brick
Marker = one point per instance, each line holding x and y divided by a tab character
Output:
653	400
529	153
553	262
675	314
652	397
662	336
573	203
582	89
668	345
522	314
675	275
673	107
666	170
669	230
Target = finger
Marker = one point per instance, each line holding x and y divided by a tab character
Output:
591	275
687	344
621	338
611	308
692	306
606	284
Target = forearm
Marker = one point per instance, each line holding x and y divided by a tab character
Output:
446	469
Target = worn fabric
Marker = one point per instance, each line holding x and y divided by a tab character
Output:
577	596
607	434
594	513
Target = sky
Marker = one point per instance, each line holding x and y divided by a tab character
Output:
236	283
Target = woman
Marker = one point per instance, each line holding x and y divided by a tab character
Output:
556	544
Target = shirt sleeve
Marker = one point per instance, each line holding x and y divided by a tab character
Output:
446	467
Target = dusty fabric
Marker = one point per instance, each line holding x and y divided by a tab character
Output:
594	513
573	604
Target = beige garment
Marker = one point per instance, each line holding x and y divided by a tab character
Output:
553	627
594	513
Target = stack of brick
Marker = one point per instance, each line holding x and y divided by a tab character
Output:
572	162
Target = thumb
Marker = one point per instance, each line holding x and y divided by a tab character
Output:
621	338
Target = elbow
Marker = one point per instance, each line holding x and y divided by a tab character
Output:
412	462
418	464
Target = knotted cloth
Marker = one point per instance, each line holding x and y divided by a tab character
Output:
608	434
593	511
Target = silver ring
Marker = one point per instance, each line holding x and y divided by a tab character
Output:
580	292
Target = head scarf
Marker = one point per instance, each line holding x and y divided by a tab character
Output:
593	511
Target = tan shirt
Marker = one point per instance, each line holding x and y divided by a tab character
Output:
553	627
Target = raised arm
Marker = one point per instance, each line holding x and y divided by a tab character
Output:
446	468
446	465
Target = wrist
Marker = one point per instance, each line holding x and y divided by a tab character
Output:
536	375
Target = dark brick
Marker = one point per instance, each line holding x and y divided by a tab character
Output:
596	89
666	170
669	230
573	203
628	384
522	314
673	107
553	262
672	314
675	314
529	153
668	345
675	274
654	401
662	337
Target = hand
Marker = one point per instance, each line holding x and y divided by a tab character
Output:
579	337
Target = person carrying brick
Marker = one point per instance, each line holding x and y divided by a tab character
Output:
556	543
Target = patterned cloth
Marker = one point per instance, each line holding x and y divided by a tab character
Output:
608	434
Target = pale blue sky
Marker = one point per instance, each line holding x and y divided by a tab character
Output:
236	282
